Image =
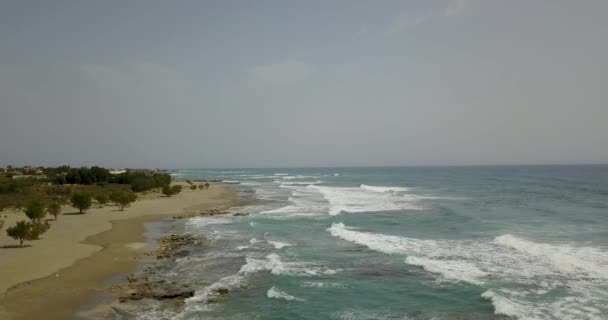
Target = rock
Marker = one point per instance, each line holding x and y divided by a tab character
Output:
240	214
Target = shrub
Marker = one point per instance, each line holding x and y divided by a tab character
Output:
21	231
201	186
38	228
102	199
123	199
192	187
172	190
189	182
35	211
81	201
54	209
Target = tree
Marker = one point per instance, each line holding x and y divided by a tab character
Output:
54	209
123	199
35	211
171	190
81	201
21	231
102	199
38	228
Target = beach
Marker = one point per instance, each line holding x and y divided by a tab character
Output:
61	272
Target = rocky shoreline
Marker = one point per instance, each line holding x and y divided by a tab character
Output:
149	283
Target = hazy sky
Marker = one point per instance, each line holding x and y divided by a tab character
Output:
303	83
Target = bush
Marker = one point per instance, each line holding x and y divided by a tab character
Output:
123	199
38	228
81	201
35	211
141	181
21	231
54	209
172	190
192	187
102	199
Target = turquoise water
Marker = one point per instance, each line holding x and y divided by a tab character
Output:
401	243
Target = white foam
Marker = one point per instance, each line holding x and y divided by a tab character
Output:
458	270
384	189
201	222
299	183
568	259
281	174
344	199
279	244
231	181
276	266
319	284
532	271
304	203
278	294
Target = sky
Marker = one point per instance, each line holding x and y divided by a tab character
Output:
204	84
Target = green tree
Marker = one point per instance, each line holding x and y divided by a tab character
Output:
123	199
35	211
38	228
21	231
102	199
171	190
54	209
81	201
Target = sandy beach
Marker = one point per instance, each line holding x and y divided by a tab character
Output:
56	275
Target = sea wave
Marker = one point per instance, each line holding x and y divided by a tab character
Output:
278	294
545	281
346	199
383	189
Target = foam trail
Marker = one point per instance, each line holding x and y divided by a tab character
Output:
383	189
278	294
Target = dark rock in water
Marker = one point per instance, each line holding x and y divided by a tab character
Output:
240	214
218	295
169	246
154	290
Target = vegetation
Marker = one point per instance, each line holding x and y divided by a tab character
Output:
21	186
35	211
38	228
101	199
123	199
141	181
54	209
81	201
2	219
21	231
171	190
192	187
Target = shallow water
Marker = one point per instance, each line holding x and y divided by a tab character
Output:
401	243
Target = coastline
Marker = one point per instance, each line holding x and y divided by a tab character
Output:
87	250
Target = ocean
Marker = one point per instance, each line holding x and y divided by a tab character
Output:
419	243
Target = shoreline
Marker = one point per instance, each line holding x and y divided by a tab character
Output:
113	251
